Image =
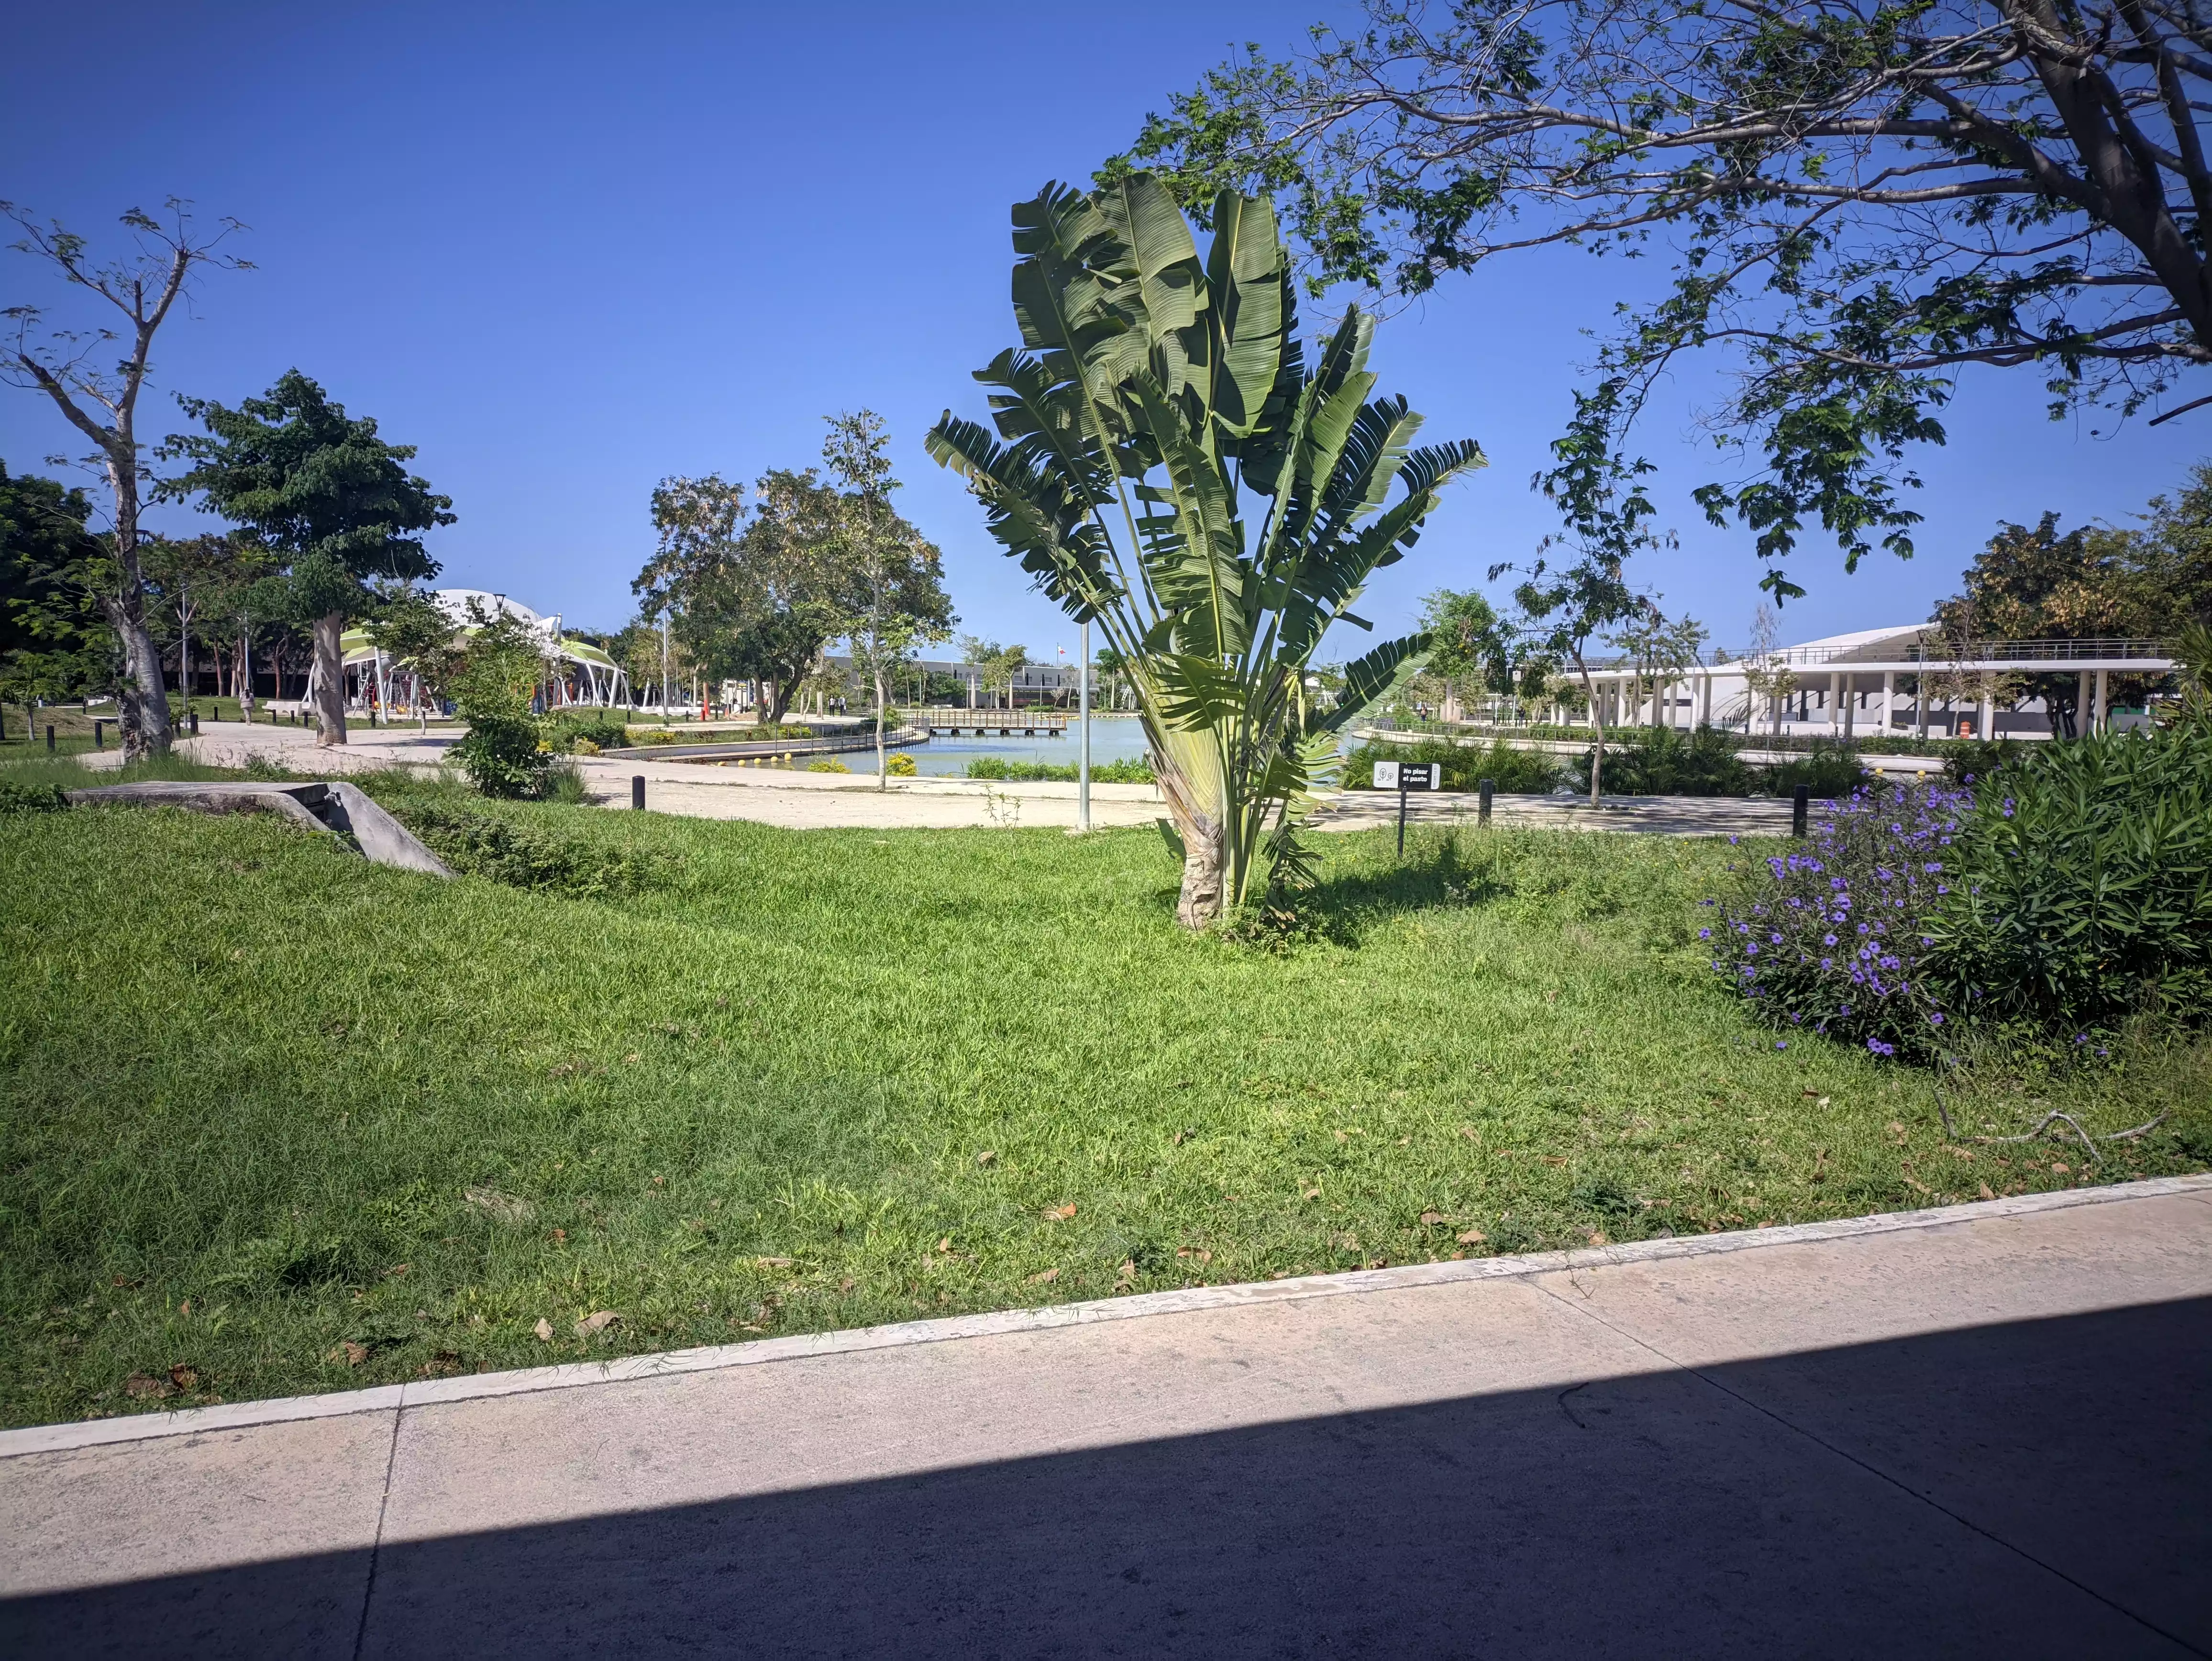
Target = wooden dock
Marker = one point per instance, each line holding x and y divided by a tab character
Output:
1005	723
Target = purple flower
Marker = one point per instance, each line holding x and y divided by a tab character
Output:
1936	1018
1782	1043
1828	939
1704	934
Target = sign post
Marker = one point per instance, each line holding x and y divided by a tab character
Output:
1403	776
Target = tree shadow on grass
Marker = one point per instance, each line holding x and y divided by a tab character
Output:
1437	872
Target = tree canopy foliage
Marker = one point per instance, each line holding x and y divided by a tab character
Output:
322	490
1859	200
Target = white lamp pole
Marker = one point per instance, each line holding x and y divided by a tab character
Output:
1083	776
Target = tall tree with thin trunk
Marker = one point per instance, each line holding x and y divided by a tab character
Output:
899	600
323	489
98	396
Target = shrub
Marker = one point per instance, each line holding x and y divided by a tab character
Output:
1665	760
2087	889
17	798
827	765
899	766
502	755
586	731
1130	771
1828	770
505	752
1965	760
1515	772
482	844
1834	938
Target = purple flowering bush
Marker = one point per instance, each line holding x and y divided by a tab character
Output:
1830	938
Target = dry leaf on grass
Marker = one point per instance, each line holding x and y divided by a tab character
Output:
1059	1213
985	1156
184	1378
596	1323
1045	1279
1432	1218
544	1329
351	1354
1474	1237
145	1387
772	1263
1986	1195
439	1365
1313	1193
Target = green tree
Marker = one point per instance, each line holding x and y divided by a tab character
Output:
2146	581
1860	201
324	491
98	395
1153	393
422	639
1561	604
754	594
896	577
1467	643
54	641
183	576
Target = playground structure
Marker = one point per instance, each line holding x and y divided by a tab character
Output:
578	673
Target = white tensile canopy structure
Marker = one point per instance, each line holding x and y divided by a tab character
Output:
582	673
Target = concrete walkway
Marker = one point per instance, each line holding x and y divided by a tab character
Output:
801	800
1979	1431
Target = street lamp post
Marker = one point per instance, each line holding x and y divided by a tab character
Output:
1082	763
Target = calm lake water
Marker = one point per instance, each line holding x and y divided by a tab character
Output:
1112	738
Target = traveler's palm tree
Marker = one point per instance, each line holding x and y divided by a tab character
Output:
1154	392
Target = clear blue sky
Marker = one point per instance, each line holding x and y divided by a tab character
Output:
565	250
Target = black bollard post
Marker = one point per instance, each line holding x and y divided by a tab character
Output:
637	792
98	736
50	738
195	721
1798	805
1489	790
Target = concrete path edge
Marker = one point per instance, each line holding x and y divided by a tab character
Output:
49	1439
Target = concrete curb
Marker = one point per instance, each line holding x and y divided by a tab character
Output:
55	1438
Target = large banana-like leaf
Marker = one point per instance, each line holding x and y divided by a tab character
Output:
1367	678
1170	281
1036	516
1032	408
1244	269
1202	582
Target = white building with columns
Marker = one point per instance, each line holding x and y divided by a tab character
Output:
1909	681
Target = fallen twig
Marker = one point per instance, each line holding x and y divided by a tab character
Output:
2087	1140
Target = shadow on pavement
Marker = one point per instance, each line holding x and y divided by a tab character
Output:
2036	1489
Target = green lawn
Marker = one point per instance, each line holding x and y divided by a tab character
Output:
823	1079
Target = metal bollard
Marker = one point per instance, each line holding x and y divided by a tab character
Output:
1482	814
637	792
50	738
1798	806
98	736
195	715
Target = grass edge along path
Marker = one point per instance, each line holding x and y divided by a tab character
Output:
281	1122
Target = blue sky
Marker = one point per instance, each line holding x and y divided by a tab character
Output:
565	250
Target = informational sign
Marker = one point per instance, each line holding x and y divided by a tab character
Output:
1407	775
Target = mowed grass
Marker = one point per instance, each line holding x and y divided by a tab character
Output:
827	1079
